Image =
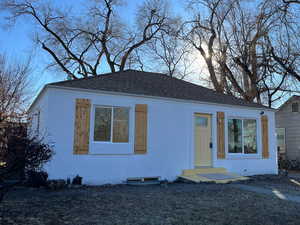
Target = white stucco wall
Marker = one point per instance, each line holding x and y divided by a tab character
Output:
170	139
38	115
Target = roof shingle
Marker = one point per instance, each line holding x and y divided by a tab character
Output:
153	84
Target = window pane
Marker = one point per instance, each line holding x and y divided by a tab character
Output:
249	133
201	121
120	124
234	136
102	129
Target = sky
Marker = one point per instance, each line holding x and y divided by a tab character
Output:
17	43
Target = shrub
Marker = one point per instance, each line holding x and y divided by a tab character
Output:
37	179
24	156
56	184
77	180
286	164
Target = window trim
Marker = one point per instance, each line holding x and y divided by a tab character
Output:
38	121
232	155
111	124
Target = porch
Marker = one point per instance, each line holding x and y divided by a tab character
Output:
216	175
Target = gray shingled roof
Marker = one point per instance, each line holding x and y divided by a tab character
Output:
292	98
153	84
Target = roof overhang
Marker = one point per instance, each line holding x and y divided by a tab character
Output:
143	96
288	101
41	92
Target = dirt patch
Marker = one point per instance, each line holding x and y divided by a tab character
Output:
175	204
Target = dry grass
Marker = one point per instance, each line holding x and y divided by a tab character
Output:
176	204
284	184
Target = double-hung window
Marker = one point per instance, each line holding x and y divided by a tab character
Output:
111	124
242	136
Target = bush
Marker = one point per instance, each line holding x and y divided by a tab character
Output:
56	184
37	179
286	164
77	180
25	157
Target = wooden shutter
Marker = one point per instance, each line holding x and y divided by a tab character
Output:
221	135
140	145
265	136
82	126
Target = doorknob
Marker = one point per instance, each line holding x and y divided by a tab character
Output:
210	145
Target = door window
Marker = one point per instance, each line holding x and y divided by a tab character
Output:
201	121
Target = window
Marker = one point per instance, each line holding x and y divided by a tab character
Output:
280	135
242	136
111	124
201	121
102	129
235	141
295	107
120	124
249	136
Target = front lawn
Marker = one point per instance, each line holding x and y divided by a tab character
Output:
175	204
283	184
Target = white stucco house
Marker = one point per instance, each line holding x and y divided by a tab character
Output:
140	124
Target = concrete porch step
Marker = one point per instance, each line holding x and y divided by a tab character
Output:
216	175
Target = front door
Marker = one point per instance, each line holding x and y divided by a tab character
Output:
202	124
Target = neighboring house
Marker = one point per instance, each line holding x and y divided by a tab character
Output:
141	124
288	128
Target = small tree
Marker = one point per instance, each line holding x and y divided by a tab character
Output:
14	95
19	152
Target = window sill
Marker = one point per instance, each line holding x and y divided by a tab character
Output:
238	157
110	154
110	142
111	148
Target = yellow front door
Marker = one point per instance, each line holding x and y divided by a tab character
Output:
202	124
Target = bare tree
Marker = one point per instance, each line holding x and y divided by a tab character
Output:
284	45
169	54
291	1
235	44
80	45
14	93
202	33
